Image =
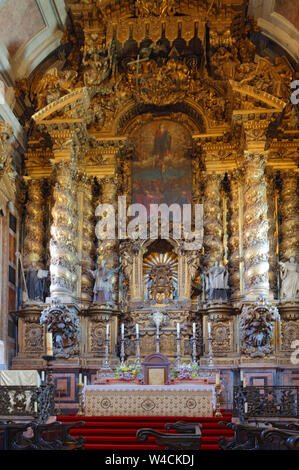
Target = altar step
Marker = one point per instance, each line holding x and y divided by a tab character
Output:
119	432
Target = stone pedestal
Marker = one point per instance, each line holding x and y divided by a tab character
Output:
94	327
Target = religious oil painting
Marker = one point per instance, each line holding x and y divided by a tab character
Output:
162	167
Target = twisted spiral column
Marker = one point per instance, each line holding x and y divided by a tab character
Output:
106	250
34	234
213	230
255	228
288	208
63	243
234	233
87	239
272	232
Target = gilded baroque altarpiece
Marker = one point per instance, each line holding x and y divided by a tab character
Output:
132	73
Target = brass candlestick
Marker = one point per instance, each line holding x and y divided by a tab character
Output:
49	360
80	393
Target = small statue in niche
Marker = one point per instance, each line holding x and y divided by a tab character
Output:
216	280
290	279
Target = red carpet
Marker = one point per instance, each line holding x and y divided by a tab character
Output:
119	432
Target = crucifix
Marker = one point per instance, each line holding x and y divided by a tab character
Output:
158	318
137	66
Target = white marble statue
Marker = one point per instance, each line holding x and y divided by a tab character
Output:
290	279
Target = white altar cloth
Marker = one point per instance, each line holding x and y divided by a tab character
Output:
19	377
131	399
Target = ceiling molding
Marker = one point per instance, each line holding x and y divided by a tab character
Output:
36	49
275	26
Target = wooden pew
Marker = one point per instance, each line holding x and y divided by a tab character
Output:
264	437
50	436
188	437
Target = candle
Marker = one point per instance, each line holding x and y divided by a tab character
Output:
157	330
80	379
217	379
35	407
194	326
241	375
43	376
85	380
137	330
209	329
246	407
49	344
178	329
244	383
122	331
107	331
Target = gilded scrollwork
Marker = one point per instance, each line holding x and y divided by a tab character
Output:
6	167
64	324
257	328
159	84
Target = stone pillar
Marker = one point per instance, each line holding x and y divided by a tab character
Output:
64	232
256	225
213	229
288	208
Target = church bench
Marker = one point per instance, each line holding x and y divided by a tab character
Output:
185	427
50	436
12	435
264	437
59	431
187	437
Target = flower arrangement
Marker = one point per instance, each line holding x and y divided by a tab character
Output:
127	371
185	371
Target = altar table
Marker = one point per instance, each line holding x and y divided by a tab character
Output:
149	400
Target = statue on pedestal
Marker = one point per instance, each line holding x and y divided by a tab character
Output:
216	279
103	288
35	281
290	279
